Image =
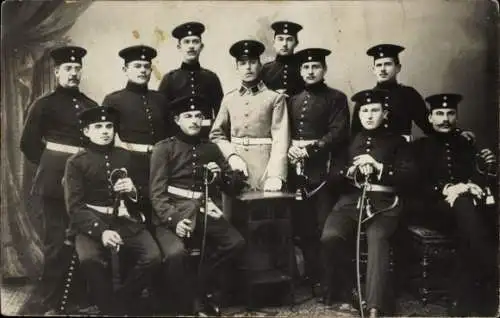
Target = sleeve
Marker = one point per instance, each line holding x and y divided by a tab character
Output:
217	95
280	134
159	180
231	182
221	130
419	111
82	218
108	101
338	126
164	87
32	144
429	186
402	171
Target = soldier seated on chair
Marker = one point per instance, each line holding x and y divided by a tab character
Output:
456	195
180	167
103	215
380	157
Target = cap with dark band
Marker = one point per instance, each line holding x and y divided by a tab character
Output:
385	50
68	54
189	103
99	114
286	27
137	53
188	29
371	96
247	49
449	101
312	55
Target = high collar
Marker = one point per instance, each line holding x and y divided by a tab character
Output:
68	91
191	67
252	88
99	148
140	89
192	140
316	87
445	136
388	85
285	59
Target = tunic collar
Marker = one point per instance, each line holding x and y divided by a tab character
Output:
388	85
191	67
68	91
253	89
140	89
316	87
192	140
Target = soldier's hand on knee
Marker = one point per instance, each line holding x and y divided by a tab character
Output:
111	239
183	228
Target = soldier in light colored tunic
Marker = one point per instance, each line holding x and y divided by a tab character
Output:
252	128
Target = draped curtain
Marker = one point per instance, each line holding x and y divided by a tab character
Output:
29	30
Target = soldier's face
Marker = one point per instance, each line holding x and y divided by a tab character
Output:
385	69
284	44
138	72
248	69
190	48
312	72
100	133
372	116
443	120
190	122
69	74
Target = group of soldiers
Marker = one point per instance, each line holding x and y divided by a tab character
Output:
131	172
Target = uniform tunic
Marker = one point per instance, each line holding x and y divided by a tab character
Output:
178	161
190	80
255	112
398	171
87	182
143	120
53	118
283	74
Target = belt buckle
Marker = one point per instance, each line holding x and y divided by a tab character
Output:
246	141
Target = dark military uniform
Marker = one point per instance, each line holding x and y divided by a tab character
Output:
192	79
284	72
319	116
176	194
90	199
143	122
449	159
50	135
398	170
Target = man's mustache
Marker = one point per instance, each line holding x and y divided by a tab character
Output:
444	124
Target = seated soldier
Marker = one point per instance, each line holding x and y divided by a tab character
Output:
99	219
455	198
380	157
178	168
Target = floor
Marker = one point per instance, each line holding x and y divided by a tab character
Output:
14	296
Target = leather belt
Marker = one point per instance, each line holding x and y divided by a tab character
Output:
136	147
108	210
184	193
303	143
379	188
206	122
245	141
62	148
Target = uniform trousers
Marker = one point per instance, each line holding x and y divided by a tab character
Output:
338	244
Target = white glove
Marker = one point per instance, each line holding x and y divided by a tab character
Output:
452	192
273	184
237	163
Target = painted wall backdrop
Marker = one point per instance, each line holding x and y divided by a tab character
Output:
449	44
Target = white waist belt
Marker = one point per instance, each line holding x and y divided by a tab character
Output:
184	193
245	141
379	188
122	211
409	138
303	143
136	147
206	122
62	148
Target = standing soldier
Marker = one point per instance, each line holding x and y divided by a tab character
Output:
380	161
456	200
319	120
51	135
144	116
283	74
178	166
191	79
252	127
100	223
